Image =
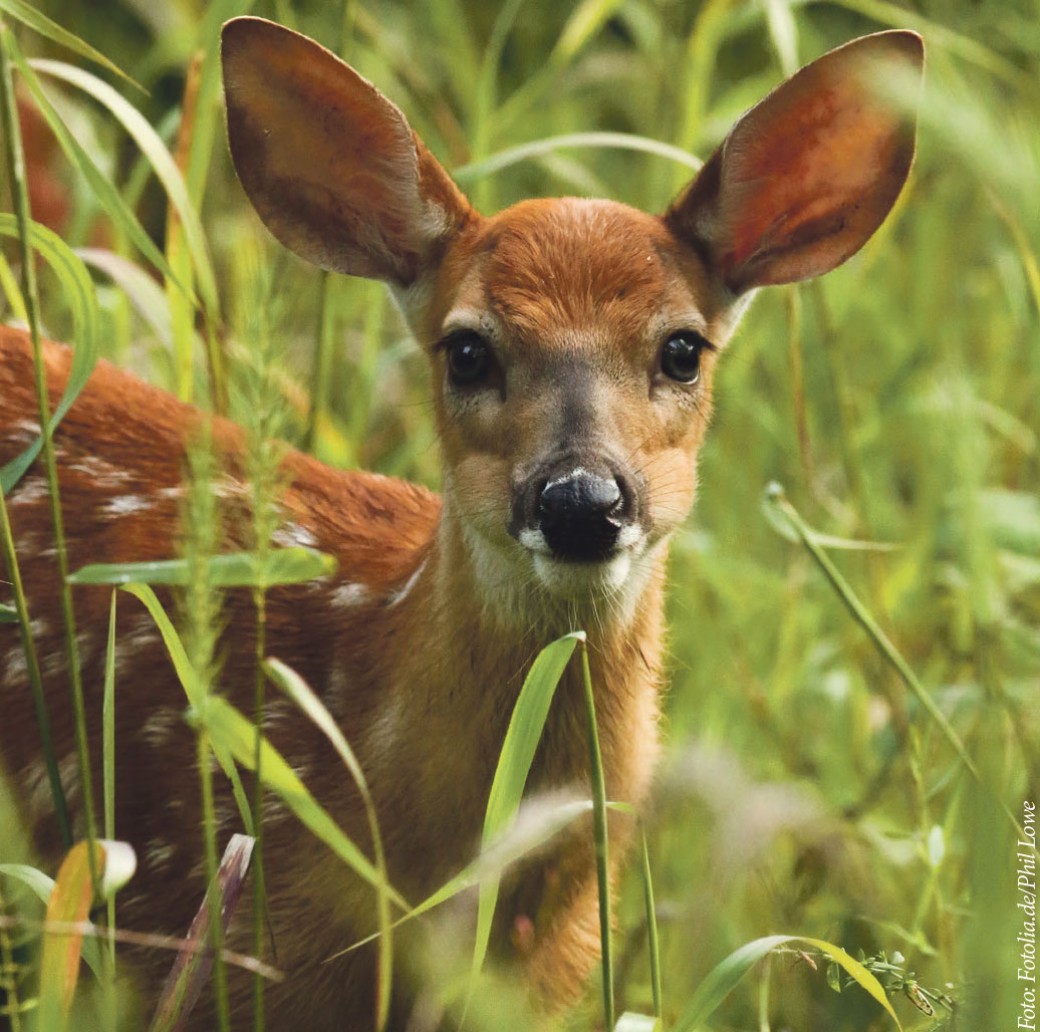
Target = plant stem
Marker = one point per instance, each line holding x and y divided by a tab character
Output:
599	821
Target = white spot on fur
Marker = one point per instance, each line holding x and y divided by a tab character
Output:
103	473
37	786
292	534
224	487
277	714
15	669
52	664
125	505
141	635
158	853
29	492
347	596
160	726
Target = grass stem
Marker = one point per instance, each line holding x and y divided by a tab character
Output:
16	165
599	821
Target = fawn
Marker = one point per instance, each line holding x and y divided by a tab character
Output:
573	344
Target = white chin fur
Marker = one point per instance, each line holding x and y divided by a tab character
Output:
576	579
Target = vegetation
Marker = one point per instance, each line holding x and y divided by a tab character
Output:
853	711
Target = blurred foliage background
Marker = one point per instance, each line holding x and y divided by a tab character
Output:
804	789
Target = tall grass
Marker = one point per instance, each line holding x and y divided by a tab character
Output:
808	789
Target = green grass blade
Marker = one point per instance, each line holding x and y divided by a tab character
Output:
153	148
19	189
653	943
9	285
599	819
8	614
36	20
303	695
783	527
864	978
725	976
143	292
936	34
193	688
783	32
539	148
108	196
78	292
108	782
280	566
776	500
860	613
504	851
237	737
514	764
588	18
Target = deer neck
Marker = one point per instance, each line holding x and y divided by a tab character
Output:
485	624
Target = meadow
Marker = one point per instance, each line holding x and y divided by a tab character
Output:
853	701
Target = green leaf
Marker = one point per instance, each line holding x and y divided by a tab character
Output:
237	736
512	846
783	31
42	885
295	565
166	170
33	18
140	287
783	527
303	695
69	903
78	291
588	18
725	976
193	688
8	613
652	941
109	197
538	148
514	764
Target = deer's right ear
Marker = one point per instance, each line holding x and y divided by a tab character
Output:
808	174
331	166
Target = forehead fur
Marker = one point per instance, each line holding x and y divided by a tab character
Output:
554	263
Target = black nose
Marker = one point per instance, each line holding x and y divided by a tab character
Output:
580	515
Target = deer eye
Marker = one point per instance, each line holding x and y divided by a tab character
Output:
681	356
469	358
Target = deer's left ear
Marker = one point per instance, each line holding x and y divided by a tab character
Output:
807	175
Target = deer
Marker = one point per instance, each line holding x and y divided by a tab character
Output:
572	344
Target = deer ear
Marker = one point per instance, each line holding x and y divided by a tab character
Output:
331	166
807	175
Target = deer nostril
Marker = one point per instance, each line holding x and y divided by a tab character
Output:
580	515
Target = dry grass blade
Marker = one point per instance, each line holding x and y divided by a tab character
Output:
192	967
